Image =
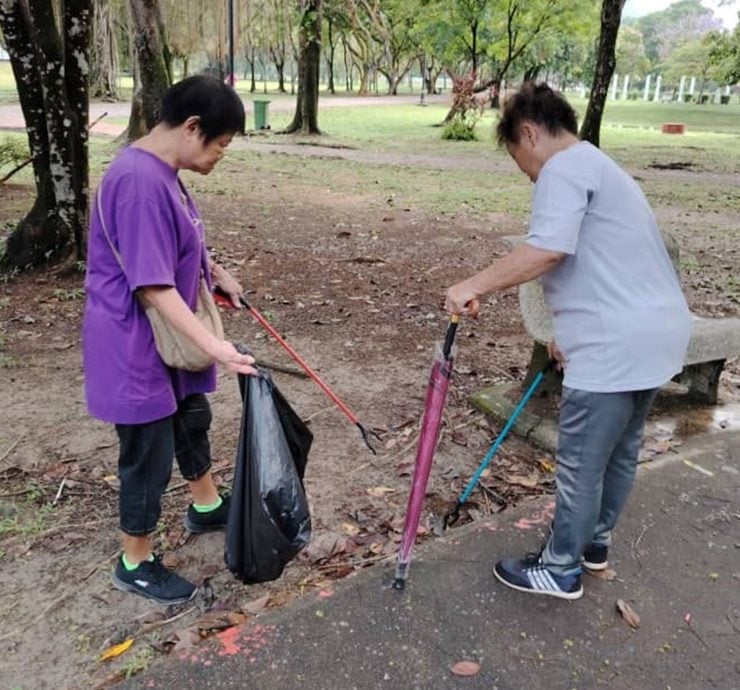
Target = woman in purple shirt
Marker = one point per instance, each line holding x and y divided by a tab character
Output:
159	413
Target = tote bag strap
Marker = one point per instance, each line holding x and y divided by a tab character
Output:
116	253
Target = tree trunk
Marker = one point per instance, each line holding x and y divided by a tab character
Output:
330	60
104	66
306	118
56	124
280	67
611	15
154	70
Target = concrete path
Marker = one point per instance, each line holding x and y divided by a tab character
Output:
677	560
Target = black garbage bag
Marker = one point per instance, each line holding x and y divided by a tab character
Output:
269	521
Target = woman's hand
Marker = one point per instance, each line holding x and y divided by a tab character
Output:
225	282
462	299
228	356
553	352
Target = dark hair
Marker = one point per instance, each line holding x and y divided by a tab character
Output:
216	104
536	103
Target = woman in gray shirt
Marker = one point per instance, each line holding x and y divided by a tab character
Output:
620	320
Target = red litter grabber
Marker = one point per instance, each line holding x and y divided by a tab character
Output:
225	301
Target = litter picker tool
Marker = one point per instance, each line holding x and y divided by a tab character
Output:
452	517
439	380
311	373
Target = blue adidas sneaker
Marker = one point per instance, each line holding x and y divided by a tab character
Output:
529	574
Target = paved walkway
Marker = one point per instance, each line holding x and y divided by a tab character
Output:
677	559
11	116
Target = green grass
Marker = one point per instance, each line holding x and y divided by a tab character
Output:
697	118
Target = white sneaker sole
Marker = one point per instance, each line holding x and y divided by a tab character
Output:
549	592
595	566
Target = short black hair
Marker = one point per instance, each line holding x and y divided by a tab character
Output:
216	104
536	103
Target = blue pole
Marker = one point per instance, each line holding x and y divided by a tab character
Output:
492	451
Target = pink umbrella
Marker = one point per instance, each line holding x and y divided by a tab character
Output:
439	380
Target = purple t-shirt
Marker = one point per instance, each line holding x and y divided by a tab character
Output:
158	231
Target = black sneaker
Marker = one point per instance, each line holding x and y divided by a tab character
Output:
198	523
529	574
595	557
152	580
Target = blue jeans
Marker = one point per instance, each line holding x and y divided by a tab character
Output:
598	446
145	460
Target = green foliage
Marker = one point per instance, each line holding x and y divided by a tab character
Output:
724	56
13	151
460	128
138	662
631	57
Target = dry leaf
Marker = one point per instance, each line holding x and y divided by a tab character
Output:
350	529
187	638
546	465
116	650
528	481
465	668
380	491
628	613
256	605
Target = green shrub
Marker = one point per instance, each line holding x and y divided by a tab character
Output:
460	128
13	150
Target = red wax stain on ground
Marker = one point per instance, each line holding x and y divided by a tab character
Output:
326	593
229	639
538	518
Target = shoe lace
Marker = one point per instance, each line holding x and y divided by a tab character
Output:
159	573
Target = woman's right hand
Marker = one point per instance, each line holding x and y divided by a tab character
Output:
228	356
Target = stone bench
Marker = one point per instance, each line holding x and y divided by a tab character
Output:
713	340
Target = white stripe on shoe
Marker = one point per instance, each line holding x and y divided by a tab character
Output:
560	594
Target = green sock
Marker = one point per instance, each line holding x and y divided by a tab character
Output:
129	566
208	508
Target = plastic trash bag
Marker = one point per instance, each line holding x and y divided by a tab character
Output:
269	521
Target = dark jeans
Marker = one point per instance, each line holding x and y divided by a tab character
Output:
598	448
145	460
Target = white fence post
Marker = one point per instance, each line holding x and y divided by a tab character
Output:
658	82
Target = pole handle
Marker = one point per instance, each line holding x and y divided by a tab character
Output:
450	335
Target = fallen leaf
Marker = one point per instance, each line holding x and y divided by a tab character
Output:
628	613
459	439
325	546
465	668
546	465
350	529
380	491
116	650
187	638
529	481
256	605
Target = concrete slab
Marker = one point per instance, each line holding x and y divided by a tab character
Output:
677	559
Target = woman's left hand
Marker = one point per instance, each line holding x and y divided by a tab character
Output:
229	285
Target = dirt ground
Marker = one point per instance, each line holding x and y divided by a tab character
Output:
356	287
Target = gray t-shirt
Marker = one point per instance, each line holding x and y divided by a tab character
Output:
619	315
